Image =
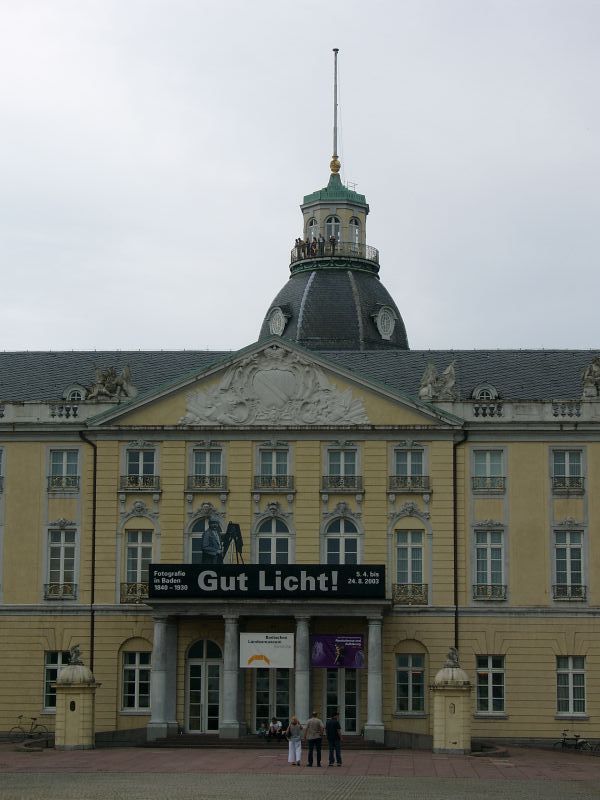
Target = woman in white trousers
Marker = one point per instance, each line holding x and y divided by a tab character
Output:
294	736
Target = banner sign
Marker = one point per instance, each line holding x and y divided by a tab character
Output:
337	650
282	581
270	650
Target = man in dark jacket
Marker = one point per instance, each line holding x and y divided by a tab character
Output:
333	730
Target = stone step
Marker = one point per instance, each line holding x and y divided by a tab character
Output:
207	740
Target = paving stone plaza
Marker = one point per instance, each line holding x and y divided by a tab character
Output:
144	774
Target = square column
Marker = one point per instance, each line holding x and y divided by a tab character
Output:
302	671
229	727
163	682
374	730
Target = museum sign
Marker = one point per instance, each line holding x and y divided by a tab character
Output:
283	581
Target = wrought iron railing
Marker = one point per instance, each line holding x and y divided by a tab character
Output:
489	483
327	250
274	482
140	482
408	483
489	591
569	591
562	484
63	483
342	483
207	482
134	592
410	594
60	591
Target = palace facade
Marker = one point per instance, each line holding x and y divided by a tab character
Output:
452	493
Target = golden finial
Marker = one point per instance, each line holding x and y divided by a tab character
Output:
335	165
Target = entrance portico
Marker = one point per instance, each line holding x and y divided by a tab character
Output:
231	617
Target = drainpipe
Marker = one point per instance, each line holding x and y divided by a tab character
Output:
455	445
93	565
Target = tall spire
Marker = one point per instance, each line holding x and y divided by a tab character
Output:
335	162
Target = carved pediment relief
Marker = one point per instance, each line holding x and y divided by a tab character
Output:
273	387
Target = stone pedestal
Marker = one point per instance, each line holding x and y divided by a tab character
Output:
75	708
451	690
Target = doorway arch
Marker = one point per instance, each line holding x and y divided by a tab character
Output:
203	678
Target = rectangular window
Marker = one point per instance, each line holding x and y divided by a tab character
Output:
570	684
140	463
64	468
488	470
489	566
568	563
409	463
207	463
490	684
409	557
53	661
567	471
273	550
61	564
136	681
342	462
139	556
410	683
273	462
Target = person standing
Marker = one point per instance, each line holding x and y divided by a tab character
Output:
313	733
333	731
294	736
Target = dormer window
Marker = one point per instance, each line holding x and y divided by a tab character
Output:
485	392
332	228
354	230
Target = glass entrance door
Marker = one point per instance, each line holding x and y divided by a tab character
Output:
203	683
341	695
271	695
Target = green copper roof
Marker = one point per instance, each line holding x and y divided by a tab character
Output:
335	190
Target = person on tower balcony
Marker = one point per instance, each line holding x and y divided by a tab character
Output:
332	244
321	244
313	248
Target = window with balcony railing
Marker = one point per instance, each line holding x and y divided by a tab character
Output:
488	472
140	471
489	562
489	591
273	465
409	588
408	472
207	468
410	594
566	591
341	465
568	566
567	472
60	591
62	549
64	468
138	555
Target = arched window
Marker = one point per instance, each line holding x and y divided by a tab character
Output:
273	542
342	542
332	228
196	534
354	231
75	396
312	229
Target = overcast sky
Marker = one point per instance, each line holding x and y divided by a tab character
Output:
153	155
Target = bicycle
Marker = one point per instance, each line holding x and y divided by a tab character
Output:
574	742
19	734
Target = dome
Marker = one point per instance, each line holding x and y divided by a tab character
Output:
336	308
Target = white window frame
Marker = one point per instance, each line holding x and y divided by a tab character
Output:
272	536
138	547
570	670
63	659
412	668
333	227
343	537
484	554
573	479
205	460
354	228
60	544
488	672
138	667
136	477
411	549
574	563
312	229
486	475
61	475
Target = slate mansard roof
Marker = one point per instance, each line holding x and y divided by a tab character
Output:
516	374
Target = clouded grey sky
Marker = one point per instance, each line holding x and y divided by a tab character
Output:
153	154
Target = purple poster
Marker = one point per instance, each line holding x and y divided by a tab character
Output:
337	650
